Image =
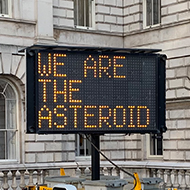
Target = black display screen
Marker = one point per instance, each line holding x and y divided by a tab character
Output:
93	92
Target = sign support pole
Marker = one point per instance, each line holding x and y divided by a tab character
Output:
95	160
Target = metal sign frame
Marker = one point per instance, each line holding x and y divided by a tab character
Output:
33	88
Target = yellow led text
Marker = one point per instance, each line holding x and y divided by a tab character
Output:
138	116
104	69
86	115
55	63
44	88
48	117
131	116
75	114
73	90
89	64
115	65
99	69
115	114
86	67
109	118
44	70
67	90
104	118
55	91
60	115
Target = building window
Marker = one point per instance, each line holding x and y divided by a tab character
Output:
156	144
82	146
8	121
4	7
83	13
152	12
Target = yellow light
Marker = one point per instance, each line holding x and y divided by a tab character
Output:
40	118
90	67
64	92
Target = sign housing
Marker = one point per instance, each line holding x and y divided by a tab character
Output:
95	90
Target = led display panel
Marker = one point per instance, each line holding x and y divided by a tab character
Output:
95	92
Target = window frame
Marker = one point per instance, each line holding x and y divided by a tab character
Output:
91	17
17	140
145	15
149	155
79	157
9	10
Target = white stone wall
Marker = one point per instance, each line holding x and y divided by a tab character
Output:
118	23
49	148
176	140
109	15
173	41
122	147
133	14
19	33
174	11
63	13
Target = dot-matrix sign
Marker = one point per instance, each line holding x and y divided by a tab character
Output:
92	92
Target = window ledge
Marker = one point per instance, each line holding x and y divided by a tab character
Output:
84	27
87	30
9	19
157	27
82	158
8	162
4	15
152	26
155	157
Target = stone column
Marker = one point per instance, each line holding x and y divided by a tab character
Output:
183	183
30	183
22	181
44	25
5	185
176	180
14	184
168	178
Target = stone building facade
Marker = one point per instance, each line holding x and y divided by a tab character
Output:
106	23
